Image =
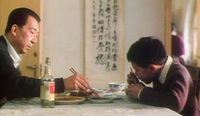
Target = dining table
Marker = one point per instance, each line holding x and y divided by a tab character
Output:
122	106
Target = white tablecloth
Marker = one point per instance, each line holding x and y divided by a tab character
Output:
122	107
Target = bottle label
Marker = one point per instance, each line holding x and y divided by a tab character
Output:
51	91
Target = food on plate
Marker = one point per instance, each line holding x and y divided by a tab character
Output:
95	98
70	98
104	99
81	93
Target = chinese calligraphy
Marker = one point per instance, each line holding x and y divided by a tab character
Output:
105	33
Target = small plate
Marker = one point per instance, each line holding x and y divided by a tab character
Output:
116	97
62	94
69	100
104	99
99	91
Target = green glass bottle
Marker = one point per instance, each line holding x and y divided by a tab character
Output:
47	88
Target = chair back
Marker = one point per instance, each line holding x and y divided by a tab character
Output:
195	74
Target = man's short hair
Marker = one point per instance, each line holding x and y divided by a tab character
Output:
173	27
19	17
146	51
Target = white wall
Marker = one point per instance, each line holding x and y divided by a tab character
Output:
63	33
143	18
178	13
63	30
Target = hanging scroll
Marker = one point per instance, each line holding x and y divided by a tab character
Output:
104	41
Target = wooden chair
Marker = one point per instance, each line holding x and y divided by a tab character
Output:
195	74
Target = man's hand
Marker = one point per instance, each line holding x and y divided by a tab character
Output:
132	78
133	90
76	82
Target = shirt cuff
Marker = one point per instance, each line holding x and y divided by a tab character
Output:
140	93
59	87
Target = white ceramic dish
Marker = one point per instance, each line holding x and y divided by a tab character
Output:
62	94
99	91
116	97
68	100
104	99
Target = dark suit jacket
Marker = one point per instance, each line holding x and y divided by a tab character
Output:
177	92
13	84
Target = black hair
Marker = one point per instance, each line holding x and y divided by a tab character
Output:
146	51
173	27
19	17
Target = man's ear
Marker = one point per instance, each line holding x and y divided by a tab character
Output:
14	29
152	67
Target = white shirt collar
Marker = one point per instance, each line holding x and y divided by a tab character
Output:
165	70
13	54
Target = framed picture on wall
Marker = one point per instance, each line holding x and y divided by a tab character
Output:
104	41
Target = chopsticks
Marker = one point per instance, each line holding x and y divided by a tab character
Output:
74	72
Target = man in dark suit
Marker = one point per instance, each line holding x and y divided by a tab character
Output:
20	35
172	85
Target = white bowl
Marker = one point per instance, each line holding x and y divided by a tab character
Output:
116	87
